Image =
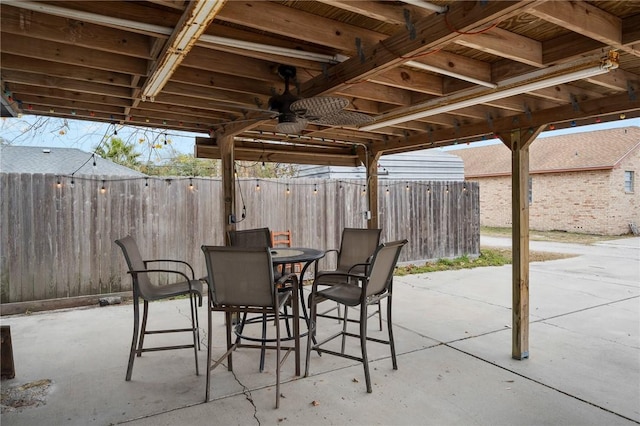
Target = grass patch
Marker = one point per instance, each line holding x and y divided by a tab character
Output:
489	256
555	236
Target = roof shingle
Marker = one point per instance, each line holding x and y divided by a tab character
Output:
601	149
59	161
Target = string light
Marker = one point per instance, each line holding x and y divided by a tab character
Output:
443	188
93	156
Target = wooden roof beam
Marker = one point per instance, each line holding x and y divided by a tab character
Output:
588	109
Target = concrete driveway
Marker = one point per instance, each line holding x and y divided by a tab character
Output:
453	338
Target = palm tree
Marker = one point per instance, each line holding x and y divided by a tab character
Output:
119	151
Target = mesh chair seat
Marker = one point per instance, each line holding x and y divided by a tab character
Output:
182	288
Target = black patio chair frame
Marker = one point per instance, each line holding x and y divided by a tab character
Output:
144	289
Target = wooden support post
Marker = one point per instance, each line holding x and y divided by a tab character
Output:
518	141
227	161
372	188
228	183
520	244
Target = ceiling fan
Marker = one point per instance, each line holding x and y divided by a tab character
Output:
294	113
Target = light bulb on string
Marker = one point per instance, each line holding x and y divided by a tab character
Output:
364	190
146	181
288	191
315	189
387	190
407	187
58	183
191	184
257	185
103	189
93	156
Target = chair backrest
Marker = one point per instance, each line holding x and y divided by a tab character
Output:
357	246
239	276
259	237
141	282
382	266
281	238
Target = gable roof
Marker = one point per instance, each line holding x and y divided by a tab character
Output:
59	161
598	150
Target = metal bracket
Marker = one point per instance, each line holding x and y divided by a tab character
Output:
456	126
490	121
574	103
360	50
407	22
631	91
325	70
528	112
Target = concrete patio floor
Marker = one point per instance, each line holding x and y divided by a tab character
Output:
453	341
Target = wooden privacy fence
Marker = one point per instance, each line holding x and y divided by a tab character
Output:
57	236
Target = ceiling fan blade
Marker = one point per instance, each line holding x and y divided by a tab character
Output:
292	127
343	118
319	106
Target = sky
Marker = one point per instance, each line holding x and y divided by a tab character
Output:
49	132
157	144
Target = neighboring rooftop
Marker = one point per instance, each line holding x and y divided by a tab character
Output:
430	164
59	161
597	150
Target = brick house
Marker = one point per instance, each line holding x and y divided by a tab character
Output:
581	182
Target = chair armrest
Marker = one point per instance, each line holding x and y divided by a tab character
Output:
287	278
193	275
345	275
365	264
170	271
336	251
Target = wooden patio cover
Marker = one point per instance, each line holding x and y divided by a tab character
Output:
429	74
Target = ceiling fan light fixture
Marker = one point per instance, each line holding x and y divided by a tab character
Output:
289	123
